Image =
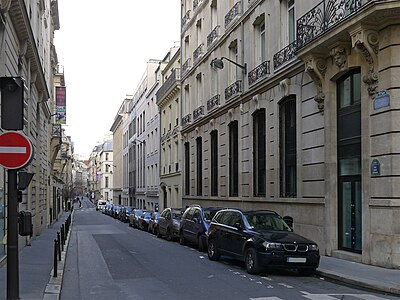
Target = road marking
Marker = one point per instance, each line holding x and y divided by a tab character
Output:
266	298
285	285
332	296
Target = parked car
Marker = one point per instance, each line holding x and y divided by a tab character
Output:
101	204
194	225
143	220
133	218
108	209
168	223
125	213
261	239
153	222
115	211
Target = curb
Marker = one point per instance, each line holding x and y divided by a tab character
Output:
392	289
53	287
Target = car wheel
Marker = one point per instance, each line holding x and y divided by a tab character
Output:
168	235
306	272
181	238
200	242
212	250
251	261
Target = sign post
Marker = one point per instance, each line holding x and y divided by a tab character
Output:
16	151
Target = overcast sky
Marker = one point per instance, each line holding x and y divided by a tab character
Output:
104	47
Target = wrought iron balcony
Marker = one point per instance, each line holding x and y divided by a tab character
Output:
233	90
213	102
259	72
171	82
322	17
198	112
285	55
186	120
196	4
185	18
235	11
186	65
214	34
198	52
56	130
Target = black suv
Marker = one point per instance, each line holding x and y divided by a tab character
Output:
194	225
261	239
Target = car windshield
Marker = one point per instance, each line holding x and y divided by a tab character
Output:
138	213
177	214
266	221
147	215
209	214
128	209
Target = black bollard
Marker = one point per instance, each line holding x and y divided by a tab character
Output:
59	247
62	237
55	259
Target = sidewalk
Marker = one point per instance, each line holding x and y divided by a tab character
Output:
365	276
35	265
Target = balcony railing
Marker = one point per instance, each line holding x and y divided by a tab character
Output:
213	102
198	112
197	52
196	4
322	17
185	18
56	130
186	120
285	55
259	72
169	83
186	65
214	34
233	90
235	11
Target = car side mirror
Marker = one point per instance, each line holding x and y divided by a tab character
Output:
289	221
238	226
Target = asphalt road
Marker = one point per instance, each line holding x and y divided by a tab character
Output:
107	259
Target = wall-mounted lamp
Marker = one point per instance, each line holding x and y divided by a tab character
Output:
217	63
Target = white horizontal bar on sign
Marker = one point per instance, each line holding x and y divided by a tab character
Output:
13	150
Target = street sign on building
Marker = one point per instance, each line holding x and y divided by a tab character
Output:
16	150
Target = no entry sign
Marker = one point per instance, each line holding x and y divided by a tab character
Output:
15	150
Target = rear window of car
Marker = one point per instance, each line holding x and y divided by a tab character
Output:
101	202
176	214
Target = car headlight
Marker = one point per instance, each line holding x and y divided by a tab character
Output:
313	247
272	246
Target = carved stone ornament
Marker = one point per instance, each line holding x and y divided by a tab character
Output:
366	42
339	55
316	68
5	5
284	86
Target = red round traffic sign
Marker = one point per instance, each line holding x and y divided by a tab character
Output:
16	150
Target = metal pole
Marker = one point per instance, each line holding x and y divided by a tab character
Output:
12	237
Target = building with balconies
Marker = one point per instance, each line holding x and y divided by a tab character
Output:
168	101
292	106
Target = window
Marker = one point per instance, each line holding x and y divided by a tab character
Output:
187	169
291	21
106	156
262	42
259	153
214	163
233	159
260	47
107	168
199	166
287	147
106	181
234	71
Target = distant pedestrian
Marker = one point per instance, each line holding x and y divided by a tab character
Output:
80	203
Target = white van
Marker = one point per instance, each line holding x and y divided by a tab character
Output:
101	204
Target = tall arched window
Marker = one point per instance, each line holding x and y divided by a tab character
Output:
259	153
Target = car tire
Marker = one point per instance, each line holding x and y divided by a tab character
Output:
306	272
212	250
182	240
200	244
168	235
251	261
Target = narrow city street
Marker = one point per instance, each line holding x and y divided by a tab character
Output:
107	259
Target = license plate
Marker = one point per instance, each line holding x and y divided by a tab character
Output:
296	259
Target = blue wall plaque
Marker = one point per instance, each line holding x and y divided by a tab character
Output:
382	100
375	168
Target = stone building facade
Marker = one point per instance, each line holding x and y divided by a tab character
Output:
283	111
168	101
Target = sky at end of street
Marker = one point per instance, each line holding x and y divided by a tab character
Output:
104	50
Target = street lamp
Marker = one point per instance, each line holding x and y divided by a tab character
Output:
217	63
